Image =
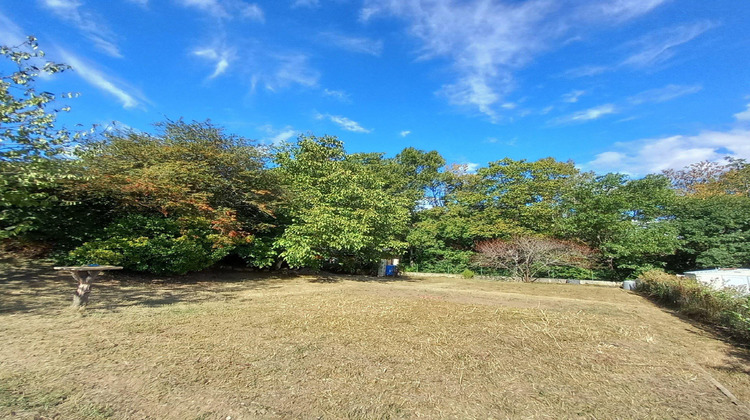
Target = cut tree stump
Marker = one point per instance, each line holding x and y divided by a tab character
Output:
85	276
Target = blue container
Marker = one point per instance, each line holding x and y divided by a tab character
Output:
390	270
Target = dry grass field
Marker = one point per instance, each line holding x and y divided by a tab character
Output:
243	345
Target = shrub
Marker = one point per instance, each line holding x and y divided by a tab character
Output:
155	244
526	257
724	308
467	274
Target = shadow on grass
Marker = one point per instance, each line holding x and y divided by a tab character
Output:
37	288
40	289
325	277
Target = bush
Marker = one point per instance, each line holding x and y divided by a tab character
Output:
467	274
154	244
723	308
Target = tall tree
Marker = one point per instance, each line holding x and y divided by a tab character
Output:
339	213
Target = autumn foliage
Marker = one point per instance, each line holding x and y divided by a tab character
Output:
525	257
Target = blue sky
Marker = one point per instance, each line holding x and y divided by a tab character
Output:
632	86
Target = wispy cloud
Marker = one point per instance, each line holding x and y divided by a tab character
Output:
660	45
619	10
227	9
586	71
93	27
142	3
257	65
129	98
354	44
278	136
343	122
653	49
587	115
291	69
306	3
10	33
338	94
664	94
487	42
253	12
221	57
404	133
572	97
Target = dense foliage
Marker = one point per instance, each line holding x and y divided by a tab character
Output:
189	195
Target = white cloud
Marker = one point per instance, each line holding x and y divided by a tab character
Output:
659	46
486	42
278	136
646	156
90	25
667	93
338	94
471	167
587	114
283	136
572	97
103	82
343	122
744	115
655	155
353	44
404	133
221	57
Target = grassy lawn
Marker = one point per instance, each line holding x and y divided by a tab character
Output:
244	345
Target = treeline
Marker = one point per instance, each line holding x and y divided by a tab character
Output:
190	196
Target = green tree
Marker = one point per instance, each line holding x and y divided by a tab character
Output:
339	213
714	232
527	193
628	221
30	141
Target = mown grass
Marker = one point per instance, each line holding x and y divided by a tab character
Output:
274	347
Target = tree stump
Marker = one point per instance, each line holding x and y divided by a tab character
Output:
85	276
81	295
